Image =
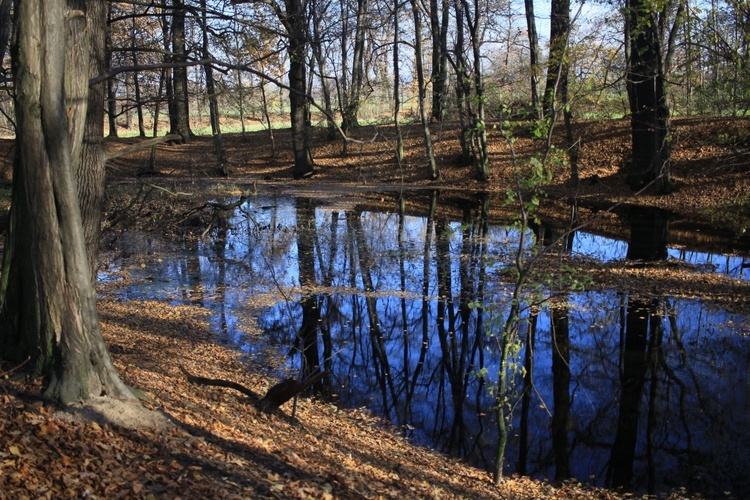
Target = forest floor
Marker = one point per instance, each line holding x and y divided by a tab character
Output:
710	164
212	443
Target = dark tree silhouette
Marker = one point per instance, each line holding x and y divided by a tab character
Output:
648	102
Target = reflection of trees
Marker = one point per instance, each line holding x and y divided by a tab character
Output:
307	335
640	320
648	242
381	364
526	392
194	291
460	340
425	314
561	390
649	230
220	243
684	399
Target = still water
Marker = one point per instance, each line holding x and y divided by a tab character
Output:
403	311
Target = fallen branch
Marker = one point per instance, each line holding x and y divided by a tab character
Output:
225	207
142	145
274	398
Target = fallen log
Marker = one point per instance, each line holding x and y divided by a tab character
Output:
142	145
274	398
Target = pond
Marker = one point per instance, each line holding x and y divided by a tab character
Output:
403	308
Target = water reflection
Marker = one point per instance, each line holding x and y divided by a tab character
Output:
401	308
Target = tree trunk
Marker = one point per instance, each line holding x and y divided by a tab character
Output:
213	102
136	82
397	84
90	170
49	306
479	129
354	96
433	168
295	22
475	130
557	64
648	102
111	95
463	88
533	55
320	60
439	30
181	109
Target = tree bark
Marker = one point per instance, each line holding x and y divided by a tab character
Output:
48	303
648	102
397	84
557	64
296	29
136	82
294	20
181	109
320	60
90	170
353	97
533	55
433	168
439	17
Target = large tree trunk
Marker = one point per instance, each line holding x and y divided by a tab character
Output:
296	28
648	102
181	119
90	170
294	20
557	65
49	308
